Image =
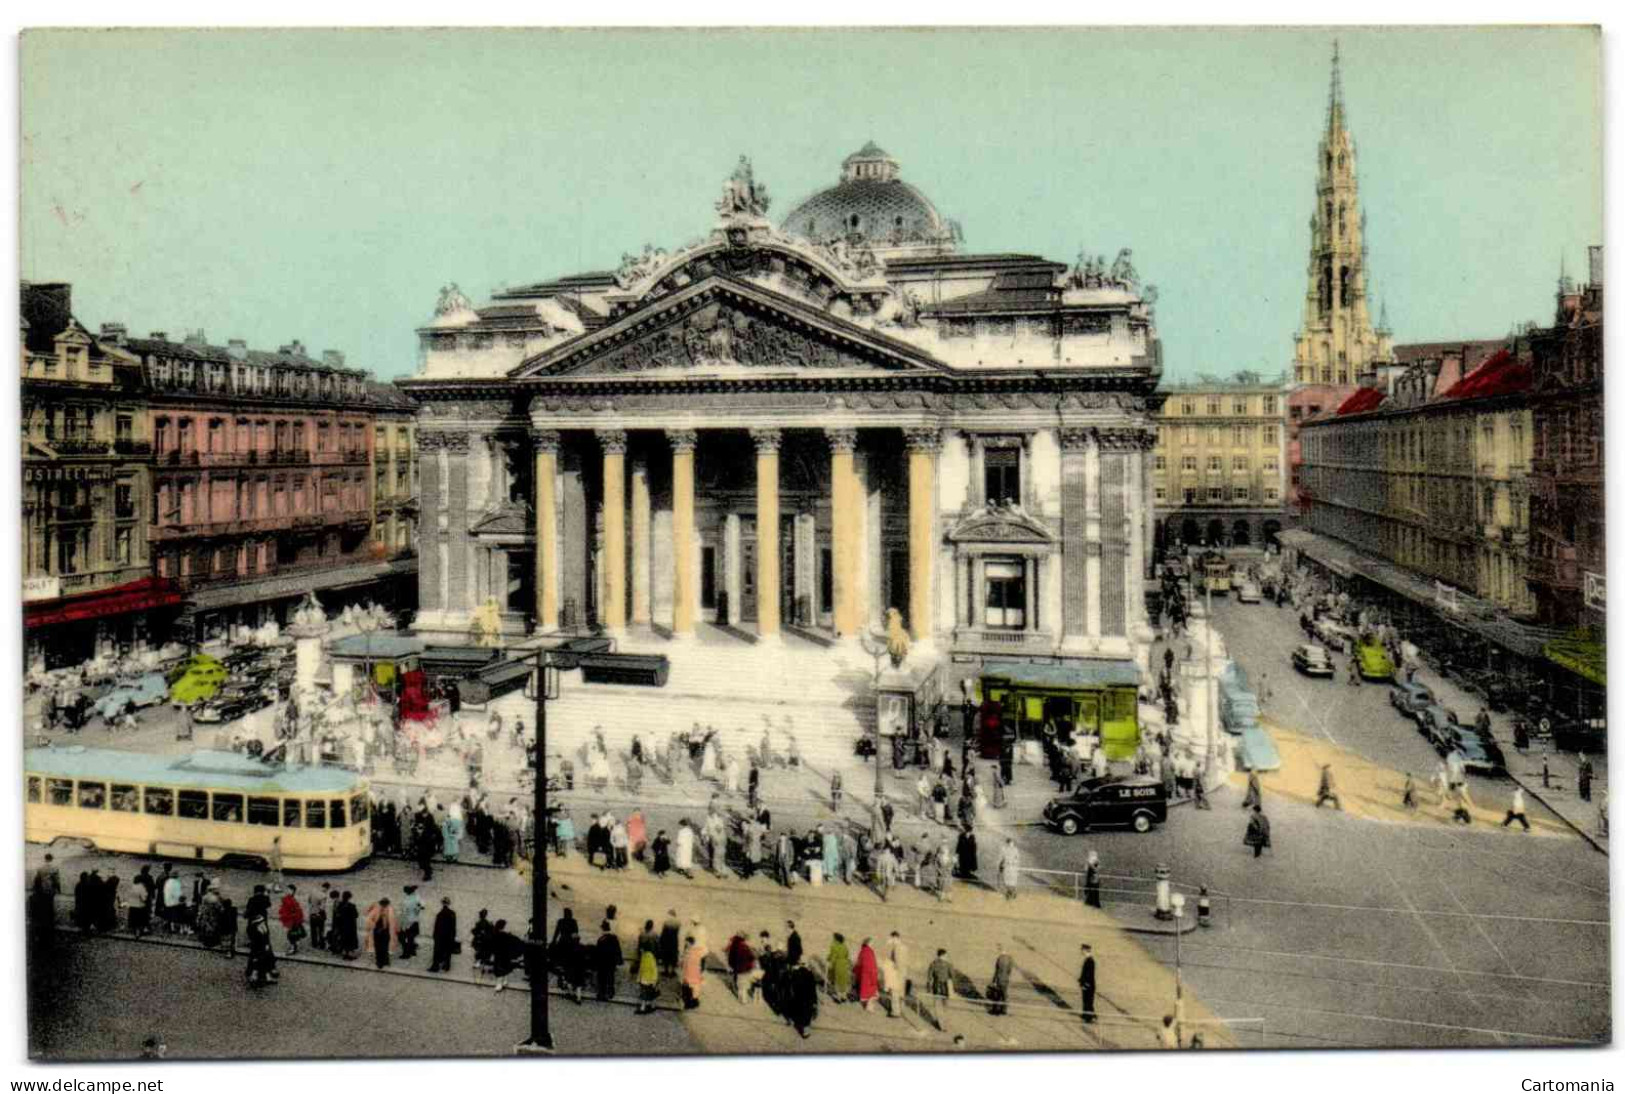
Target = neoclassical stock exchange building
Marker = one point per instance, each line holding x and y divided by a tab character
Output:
782	430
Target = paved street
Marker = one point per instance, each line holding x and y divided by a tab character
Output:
1359	932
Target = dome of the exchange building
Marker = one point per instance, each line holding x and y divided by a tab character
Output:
870	202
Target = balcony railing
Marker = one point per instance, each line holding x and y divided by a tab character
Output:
998	640
127	447
63	514
81	445
217	578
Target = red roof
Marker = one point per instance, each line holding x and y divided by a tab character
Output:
1367	398
1501	374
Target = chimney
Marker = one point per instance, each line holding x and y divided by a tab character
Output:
196	338
159	336
332	358
236	349
114	333
295	348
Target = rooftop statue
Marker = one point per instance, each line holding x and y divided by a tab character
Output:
742	195
452	300
635	268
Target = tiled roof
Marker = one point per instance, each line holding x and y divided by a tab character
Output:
388	395
1366	399
1502	374
1473	351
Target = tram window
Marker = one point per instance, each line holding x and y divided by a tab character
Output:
228	808
60	791
126	799
338	813
35	789
263	811
92	795
316	814
194	805
358	809
290	813
158	801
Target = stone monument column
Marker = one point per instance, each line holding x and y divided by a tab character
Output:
767	531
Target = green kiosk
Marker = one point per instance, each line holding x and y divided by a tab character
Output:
1093	697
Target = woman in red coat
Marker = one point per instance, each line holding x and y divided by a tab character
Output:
866	972
292	915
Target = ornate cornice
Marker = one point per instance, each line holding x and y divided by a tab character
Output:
1120	440
436	440
923	438
613	440
1076	439
767	440
842	440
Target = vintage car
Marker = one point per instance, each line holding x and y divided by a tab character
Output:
1136	802
143	691
1478	754
1438	725
196	680
228	706
1312	660
1410	699
1374	661
1248	593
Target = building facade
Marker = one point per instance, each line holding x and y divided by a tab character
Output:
1218	469
803	425
86	456
262	480
1569	546
1433	479
1336	342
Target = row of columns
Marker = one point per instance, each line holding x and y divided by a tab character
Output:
846	509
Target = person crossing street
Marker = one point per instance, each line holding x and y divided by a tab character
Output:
1515	812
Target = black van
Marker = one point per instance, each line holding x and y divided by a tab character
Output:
1135	801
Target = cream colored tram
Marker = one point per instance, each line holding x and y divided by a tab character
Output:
201	807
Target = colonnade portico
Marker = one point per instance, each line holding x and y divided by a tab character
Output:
629	567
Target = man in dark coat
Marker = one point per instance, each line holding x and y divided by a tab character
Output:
261	967
607	959
346	928
966	853
445	937
1258	831
800	998
998	989
792	945
671	932
1086	983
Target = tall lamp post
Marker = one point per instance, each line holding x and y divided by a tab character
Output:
549	664
876	649
1212	691
541	1036
1179	974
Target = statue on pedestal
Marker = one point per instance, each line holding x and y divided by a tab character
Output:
897	644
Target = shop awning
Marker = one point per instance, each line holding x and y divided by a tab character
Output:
136	596
1583	654
375	647
1081	673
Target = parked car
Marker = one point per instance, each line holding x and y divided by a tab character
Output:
1374	661
1333	635
1248	593
228	707
1313	660
1136	801
1478	753
1410	699
143	691
1438	724
196	680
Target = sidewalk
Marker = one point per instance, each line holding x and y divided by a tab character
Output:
1562	796
1041	932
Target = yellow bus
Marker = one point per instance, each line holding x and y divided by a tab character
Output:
202	807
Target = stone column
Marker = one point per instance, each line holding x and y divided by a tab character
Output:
845	520
733	580
767	530
922	503
614	575
640	543
1029	617
546	443
685	598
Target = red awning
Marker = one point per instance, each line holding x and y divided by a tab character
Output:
136	596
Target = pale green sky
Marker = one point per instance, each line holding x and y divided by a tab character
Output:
324	185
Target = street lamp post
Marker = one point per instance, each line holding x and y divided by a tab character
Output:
1179	974
1212	692
541	1036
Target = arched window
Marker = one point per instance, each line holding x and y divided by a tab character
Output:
1342	218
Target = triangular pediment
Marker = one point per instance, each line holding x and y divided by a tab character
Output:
1000	524
506	520
727	328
